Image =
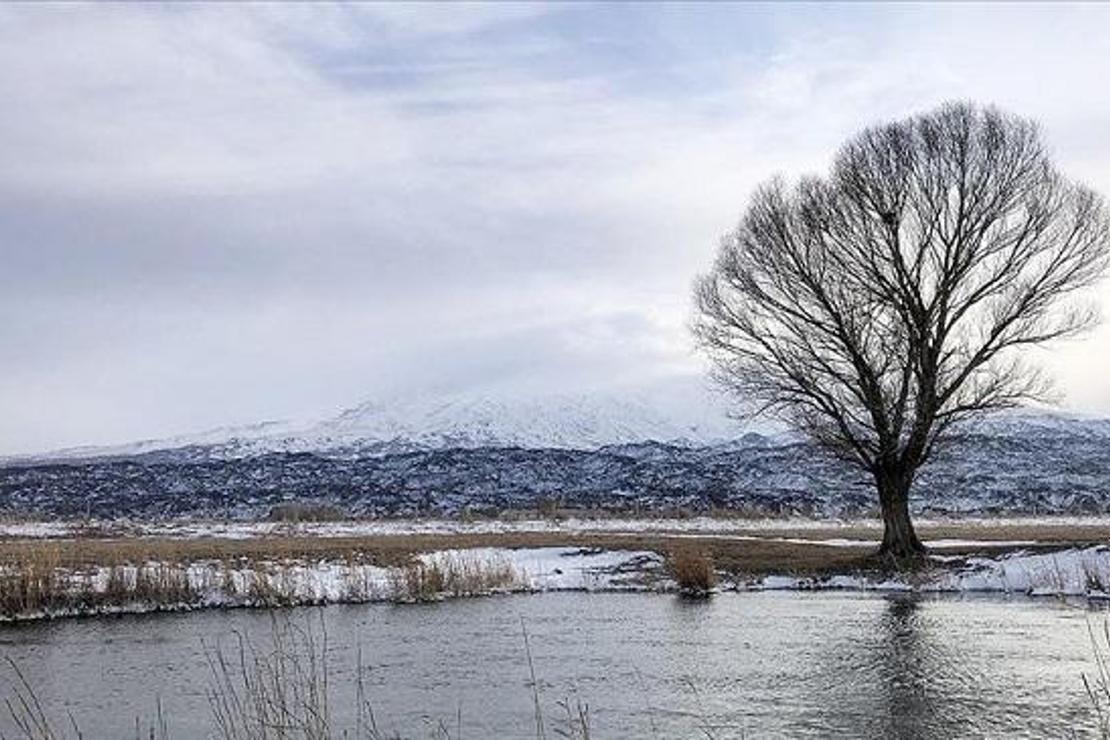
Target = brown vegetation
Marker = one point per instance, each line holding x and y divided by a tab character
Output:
29	569
692	569
453	575
1098	683
32	585
44	576
39	585
41	582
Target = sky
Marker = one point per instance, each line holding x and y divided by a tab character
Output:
220	214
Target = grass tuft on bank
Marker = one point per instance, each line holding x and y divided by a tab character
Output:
692	570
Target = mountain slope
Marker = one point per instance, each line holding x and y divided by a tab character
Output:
759	476
630	451
677	413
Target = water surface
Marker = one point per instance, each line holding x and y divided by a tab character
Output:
772	664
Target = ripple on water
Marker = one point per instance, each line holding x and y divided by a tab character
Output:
764	664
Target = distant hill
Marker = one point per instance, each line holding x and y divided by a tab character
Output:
655	449
679	412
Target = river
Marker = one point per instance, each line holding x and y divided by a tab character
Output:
769	664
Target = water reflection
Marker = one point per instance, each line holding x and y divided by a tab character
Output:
899	676
908	654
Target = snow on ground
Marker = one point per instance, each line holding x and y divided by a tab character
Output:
610	525
1075	572
561	568
937	544
1084	572
36	530
469	572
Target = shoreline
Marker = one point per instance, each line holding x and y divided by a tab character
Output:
199	565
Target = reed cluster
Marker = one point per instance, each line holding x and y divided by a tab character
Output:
453	574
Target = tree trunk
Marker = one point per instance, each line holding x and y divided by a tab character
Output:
899	539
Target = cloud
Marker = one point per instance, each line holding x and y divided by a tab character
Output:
213	214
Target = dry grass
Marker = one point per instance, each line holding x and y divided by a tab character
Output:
33	585
25	710
453	575
277	690
1096	578
44	575
282	688
359	585
38	576
153	583
397	550
692	569
41	585
270	586
31	721
754	556
1098	683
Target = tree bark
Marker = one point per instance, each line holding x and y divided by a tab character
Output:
899	538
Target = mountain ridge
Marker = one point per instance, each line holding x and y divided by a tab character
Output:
582	420
572	421
446	456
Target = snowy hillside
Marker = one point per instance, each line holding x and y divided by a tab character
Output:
681	413
657	449
580	421
685	414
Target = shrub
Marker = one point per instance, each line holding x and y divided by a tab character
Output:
692	570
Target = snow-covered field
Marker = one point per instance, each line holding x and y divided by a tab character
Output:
701	525
1074	572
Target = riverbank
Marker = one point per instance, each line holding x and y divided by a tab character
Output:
50	570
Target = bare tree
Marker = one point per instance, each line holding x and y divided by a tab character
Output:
879	307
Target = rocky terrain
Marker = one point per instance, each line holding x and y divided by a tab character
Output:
449	457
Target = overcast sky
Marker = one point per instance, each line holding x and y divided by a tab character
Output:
215	214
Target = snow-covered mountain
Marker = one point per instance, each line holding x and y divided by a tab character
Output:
246	437
1041	423
678	413
580	421
684	414
661	448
